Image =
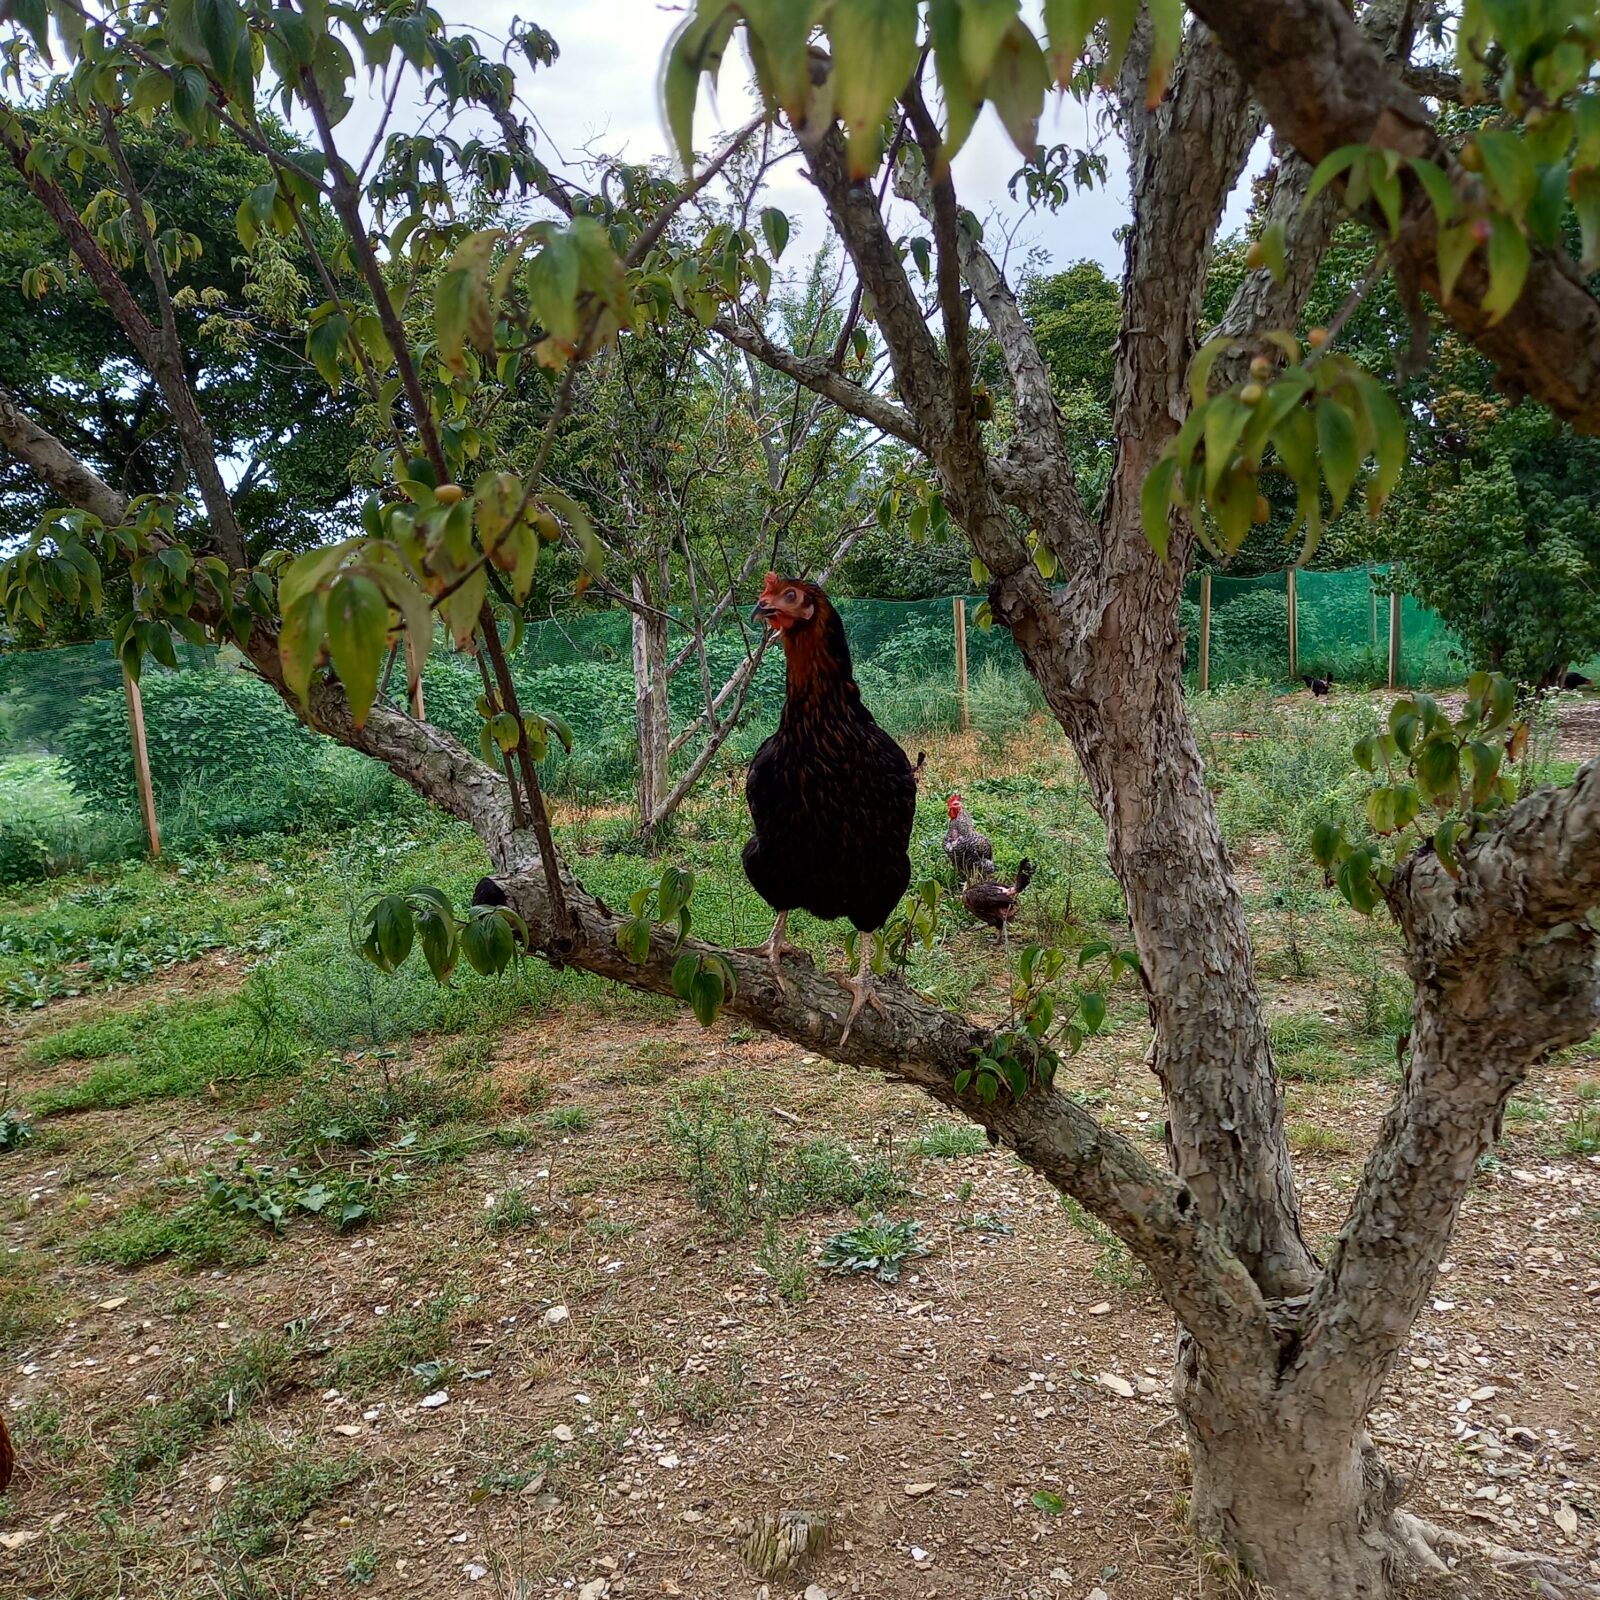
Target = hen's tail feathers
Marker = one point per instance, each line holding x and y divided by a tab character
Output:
489	893
8	1457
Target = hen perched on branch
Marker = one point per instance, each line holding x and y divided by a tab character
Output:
831	795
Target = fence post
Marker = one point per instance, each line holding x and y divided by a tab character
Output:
960	604
1205	631
1394	638
1294	627
141	762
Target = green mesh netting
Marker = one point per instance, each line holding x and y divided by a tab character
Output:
580	667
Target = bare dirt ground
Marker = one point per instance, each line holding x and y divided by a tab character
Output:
625	1390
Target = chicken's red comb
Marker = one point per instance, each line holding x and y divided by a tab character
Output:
771	581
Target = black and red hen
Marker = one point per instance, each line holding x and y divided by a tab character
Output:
831	795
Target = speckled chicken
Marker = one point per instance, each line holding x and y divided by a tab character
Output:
969	851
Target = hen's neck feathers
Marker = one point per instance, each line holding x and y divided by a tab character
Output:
818	663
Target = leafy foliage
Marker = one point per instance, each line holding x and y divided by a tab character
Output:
877	1246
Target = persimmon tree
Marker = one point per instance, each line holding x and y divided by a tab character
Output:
1281	1355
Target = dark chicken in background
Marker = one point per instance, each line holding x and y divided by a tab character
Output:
996	903
969	851
831	795
1318	686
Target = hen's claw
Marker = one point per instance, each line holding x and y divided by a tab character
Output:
864	993
774	950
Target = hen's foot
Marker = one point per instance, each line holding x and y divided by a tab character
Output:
863	993
773	952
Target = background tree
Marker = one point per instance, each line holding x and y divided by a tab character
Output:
1280	1354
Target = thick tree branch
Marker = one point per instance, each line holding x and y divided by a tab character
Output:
77	483
1034	468
1507	969
817	374
1323	85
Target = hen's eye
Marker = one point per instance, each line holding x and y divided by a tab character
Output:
789	594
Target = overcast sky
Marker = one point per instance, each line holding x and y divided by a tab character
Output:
601	96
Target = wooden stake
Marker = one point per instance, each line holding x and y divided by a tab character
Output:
1294	627
961	660
1205	631
414	674
1394	638
141	762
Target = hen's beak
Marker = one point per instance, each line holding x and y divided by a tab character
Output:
763	612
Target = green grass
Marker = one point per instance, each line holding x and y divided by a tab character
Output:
569	1119
402	1340
163	1435
195	1235
945	1141
264	1512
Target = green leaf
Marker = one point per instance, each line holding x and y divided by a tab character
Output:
1093	1006
300	642
961	101
1485	770
1338	448
1067	25
1436	184
189	92
696	47
1549	206
1586	203
1226	416
436	932
1388	440
358	626
683	975
775	229
1508	267
1328	845
552	284
1456	245
1270	245
1445	839
1354	878
1330	166
1050	1504
1367	752
1380	811
1508	168
1166	29
633	940
1155	503
983	26
389	932
673	895
1439	768
874	49
706	996
1018	84
963	1078
1200	368
488	942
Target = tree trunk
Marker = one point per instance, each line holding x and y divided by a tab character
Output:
1295	1495
652	719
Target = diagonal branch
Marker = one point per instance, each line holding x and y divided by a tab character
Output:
195	437
818	374
1323	84
75	481
1507	969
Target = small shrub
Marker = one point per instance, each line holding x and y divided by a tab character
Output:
362	1566
263	1516
1116	1267
725	1155
1318	1137
1581	1136
403	1340
826	1175
785	1262
164	1434
877	1246
510	1211
569	1119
